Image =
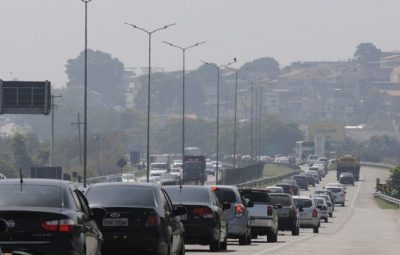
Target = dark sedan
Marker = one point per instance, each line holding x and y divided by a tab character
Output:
287	188
294	186
46	217
136	217
288	215
205	222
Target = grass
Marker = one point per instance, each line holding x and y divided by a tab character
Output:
274	170
385	205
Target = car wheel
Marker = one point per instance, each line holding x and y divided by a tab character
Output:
182	250
296	231
215	246
249	239
326	219
331	214
243	239
272	237
316	230
343	204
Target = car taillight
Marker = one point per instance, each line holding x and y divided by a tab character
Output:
65	225
315	213
269	211
152	220
239	210
203	212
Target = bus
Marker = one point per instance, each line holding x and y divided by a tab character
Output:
303	149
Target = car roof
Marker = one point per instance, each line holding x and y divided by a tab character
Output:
280	194
34	181
137	184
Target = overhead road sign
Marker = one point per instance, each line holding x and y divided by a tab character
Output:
25	97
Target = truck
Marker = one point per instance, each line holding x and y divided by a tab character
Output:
194	169
348	164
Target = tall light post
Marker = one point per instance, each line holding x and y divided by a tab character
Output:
218	68
235	119
251	116
149	33
183	49
53	106
85	98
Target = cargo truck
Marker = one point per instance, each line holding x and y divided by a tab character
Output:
348	164
194	169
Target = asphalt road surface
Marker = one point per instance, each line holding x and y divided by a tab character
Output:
359	228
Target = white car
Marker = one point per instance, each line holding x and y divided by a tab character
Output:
274	189
157	169
128	178
339	194
308	213
177	171
2	176
328	202
177	163
322	208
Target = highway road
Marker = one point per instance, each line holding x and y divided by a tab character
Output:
360	227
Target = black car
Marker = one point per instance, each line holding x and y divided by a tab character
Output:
42	216
347	178
136	217
301	181
288	215
287	188
205	222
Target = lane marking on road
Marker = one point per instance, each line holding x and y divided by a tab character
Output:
301	239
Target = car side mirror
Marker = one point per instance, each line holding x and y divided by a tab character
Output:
226	206
180	210
278	206
249	204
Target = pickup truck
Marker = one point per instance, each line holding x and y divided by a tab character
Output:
263	215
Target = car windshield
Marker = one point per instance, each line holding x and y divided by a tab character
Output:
225	195
334	189
121	195
28	195
318	201
304	203
188	195
283	200
256	196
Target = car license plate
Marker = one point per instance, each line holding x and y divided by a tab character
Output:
115	222
182	217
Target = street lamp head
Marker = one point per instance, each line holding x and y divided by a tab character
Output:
86	1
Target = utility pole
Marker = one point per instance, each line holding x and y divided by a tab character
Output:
78	124
52	129
97	138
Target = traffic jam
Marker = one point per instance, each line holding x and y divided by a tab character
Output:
45	216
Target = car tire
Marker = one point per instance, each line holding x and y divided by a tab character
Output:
316	230
331	214
249	239
182	250
343	204
243	240
272	237
326	220
215	246
296	231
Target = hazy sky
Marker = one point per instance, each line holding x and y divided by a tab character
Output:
39	36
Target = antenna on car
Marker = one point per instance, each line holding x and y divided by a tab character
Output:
21	180
180	191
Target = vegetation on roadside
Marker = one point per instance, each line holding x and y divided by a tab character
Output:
271	170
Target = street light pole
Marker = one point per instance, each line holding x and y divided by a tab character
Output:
218	68
149	33
53	106
183	87
260	124
85	98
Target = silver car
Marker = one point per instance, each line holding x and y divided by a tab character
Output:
322	208
237	214
328	202
308	213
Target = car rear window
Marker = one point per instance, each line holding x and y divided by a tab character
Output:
335	190
283	200
225	195
28	195
188	195
256	196
121	195
304	203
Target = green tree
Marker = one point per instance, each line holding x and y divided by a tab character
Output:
22	158
265	65
105	75
367	52
394	181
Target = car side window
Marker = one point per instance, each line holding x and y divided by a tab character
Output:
75	198
169	202
164	201
214	199
83	202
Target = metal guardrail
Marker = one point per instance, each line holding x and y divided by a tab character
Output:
388	199
266	181
381	165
